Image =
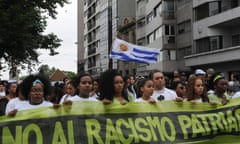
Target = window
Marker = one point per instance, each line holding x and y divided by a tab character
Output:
236	40
173	55
214	8
234	3
168	9
151	38
141	22
184	27
201	12
150	17
158	9
202	45
209	44
158	32
215	43
169	30
182	52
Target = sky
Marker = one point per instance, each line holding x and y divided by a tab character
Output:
65	27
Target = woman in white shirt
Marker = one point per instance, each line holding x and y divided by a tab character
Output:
71	92
35	89
145	90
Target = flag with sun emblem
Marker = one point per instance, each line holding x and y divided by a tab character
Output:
125	51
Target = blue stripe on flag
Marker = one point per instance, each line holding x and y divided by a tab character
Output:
145	52
127	58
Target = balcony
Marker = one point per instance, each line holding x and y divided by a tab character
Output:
213	57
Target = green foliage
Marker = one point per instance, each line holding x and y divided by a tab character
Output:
22	23
47	71
70	74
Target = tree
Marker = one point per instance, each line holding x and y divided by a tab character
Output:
22	23
45	70
70	74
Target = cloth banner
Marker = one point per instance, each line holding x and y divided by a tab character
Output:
125	51
92	122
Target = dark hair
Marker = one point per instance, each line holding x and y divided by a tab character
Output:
106	85
215	78
27	84
150	76
175	84
9	84
79	77
75	85
140	84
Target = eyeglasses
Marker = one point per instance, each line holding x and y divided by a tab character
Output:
161	97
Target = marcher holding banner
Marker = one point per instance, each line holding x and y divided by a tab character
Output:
71	93
220	85
14	103
35	89
112	88
84	84
196	90
145	90
160	91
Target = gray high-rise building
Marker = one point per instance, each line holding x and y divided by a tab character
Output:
189	34
157	26
216	35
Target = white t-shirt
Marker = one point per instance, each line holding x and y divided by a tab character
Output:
13	104
67	97
26	105
2	93
165	94
78	98
236	95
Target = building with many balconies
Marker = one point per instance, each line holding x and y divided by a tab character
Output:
216	35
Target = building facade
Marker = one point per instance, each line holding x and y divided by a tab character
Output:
157	26
189	34
216	35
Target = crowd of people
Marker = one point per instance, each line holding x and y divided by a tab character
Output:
111	87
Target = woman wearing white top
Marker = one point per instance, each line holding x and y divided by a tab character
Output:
85	85
145	90
35	89
71	92
15	102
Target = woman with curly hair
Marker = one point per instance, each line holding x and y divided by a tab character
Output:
196	91
35	89
112	88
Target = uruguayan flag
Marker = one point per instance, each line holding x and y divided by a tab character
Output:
123	50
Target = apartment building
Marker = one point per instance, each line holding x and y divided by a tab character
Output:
125	17
216	35
98	23
157	26
189	34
